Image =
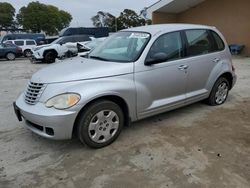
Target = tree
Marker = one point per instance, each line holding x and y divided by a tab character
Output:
7	13
104	19
128	18
39	17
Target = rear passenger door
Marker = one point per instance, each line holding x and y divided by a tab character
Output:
202	57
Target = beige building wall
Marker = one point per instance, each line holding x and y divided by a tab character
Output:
231	17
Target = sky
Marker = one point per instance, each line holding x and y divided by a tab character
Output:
83	10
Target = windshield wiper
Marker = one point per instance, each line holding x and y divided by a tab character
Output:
99	58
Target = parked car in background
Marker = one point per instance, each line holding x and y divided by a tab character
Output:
58	48
38	37
96	32
134	74
27	45
86	47
10	51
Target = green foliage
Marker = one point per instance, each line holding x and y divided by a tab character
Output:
104	19
7	13
128	18
39	17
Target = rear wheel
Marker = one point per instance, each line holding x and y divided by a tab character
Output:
10	56
49	57
27	53
219	92
100	124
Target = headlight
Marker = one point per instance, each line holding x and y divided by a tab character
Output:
63	101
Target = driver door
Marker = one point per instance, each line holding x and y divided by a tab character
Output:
161	86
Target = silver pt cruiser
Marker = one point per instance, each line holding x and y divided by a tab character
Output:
134	74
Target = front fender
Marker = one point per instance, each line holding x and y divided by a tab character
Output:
121	86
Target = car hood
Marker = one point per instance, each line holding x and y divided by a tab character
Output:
79	68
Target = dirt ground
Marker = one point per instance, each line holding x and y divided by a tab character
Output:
195	146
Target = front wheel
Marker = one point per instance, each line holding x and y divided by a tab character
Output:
219	92
10	56
27	53
50	57
100	124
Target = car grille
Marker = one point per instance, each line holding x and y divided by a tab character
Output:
33	92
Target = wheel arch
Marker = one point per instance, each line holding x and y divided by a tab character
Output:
50	50
229	78
114	98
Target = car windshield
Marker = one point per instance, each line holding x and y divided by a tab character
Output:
121	47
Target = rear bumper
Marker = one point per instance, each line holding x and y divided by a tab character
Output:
46	122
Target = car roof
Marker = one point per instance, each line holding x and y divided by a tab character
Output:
22	40
158	28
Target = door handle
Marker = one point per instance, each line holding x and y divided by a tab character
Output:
183	67
216	60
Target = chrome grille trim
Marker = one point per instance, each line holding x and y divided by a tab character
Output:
33	92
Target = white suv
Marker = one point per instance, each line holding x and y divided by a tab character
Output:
27	45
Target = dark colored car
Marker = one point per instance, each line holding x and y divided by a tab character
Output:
10	51
96	32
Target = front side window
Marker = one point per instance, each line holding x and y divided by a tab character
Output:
121	47
19	43
169	45
199	42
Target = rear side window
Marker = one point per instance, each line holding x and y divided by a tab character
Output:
219	44
169	44
199	42
19	43
30	42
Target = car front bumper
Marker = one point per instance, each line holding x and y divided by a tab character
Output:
46	122
36	57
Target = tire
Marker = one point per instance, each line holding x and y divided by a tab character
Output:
27	53
49	57
219	93
100	124
10	56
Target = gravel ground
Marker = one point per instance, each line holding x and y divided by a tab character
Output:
195	146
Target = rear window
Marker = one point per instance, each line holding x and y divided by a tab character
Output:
199	42
219	44
30	42
19	43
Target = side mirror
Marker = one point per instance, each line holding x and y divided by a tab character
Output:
156	58
61	43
